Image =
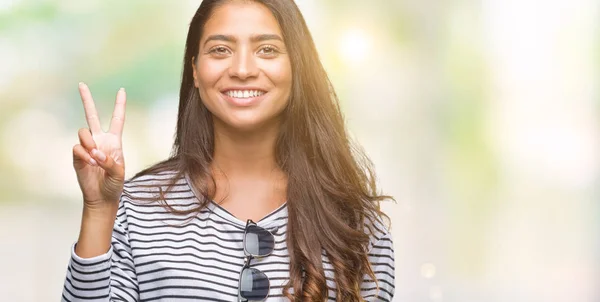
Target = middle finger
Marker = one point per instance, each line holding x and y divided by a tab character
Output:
91	115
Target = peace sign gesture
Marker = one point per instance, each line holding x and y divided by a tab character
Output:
98	158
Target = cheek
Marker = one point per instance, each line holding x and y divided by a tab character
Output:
209	73
281	75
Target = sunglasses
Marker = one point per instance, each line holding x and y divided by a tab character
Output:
258	242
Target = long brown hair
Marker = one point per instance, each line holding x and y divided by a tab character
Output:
332	198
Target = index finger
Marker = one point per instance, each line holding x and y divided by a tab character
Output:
91	115
118	117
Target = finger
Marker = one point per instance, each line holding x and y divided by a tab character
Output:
91	115
118	118
108	164
86	139
82	157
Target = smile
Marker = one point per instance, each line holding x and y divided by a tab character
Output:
243	94
240	97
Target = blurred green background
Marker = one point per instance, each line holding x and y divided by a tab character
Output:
482	118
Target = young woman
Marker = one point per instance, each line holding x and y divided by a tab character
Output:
263	198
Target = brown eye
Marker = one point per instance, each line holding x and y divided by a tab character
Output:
268	51
219	51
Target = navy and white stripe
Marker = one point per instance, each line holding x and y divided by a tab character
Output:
159	256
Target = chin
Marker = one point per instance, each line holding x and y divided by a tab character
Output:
249	124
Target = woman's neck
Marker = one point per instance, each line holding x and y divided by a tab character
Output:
245	154
249	184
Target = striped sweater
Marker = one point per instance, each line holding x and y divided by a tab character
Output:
159	256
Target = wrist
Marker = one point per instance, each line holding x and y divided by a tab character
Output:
96	231
100	209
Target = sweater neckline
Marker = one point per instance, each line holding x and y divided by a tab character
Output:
213	206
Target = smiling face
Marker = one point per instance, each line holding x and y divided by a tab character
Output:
242	70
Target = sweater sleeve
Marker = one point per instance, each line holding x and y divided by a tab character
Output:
381	257
108	277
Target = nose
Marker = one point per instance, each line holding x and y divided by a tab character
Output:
243	65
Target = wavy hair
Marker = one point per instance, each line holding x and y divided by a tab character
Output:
332	197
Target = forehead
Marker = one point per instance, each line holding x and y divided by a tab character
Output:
241	19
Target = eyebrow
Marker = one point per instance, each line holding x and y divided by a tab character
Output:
254	38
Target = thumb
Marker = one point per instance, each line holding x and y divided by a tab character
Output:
112	168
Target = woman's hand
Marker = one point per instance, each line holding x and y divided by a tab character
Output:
98	158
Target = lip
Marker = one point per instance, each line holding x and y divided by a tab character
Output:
243	102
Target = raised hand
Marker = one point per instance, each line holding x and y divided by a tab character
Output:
98	158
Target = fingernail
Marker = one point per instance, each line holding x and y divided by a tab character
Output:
93	162
122	89
99	154
81	84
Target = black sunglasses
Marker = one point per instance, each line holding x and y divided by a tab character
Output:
258	242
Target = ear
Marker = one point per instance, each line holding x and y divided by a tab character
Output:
194	72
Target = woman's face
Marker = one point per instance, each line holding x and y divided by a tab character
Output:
242	69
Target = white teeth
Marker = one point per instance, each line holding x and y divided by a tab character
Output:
244	93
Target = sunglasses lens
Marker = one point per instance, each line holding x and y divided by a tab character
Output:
254	285
258	242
